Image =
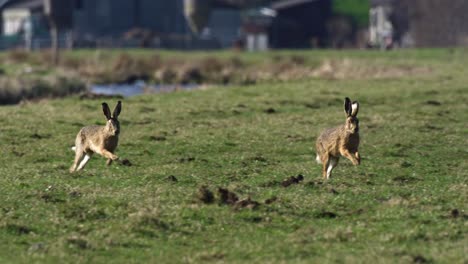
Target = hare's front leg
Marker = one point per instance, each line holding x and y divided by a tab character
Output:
109	155
351	156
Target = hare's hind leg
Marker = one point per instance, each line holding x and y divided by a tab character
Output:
332	162
78	157
84	161
325	160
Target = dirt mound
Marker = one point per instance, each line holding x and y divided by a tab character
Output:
292	180
225	197
205	195
246	203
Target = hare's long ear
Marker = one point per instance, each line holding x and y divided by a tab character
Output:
117	109
106	110
354	108
347	106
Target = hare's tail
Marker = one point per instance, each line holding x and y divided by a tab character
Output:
73	148
317	158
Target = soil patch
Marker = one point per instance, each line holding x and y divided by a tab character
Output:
292	180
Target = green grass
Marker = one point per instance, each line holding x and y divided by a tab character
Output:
407	202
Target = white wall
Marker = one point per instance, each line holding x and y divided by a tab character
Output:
13	20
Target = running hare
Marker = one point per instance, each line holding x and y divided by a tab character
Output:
342	140
102	140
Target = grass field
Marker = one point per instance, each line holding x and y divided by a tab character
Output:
406	203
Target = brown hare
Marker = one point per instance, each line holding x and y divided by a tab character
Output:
102	140
340	141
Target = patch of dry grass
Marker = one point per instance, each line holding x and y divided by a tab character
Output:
355	69
15	90
30	75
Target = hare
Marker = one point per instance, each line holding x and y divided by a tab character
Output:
102	140
340	141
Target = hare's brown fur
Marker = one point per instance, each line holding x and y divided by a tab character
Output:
339	141
102	140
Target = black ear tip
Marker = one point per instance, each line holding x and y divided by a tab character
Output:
104	104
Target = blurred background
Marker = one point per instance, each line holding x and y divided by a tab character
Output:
253	25
130	47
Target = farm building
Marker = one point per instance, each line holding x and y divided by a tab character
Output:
256	24
154	23
108	17
157	23
276	24
95	19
